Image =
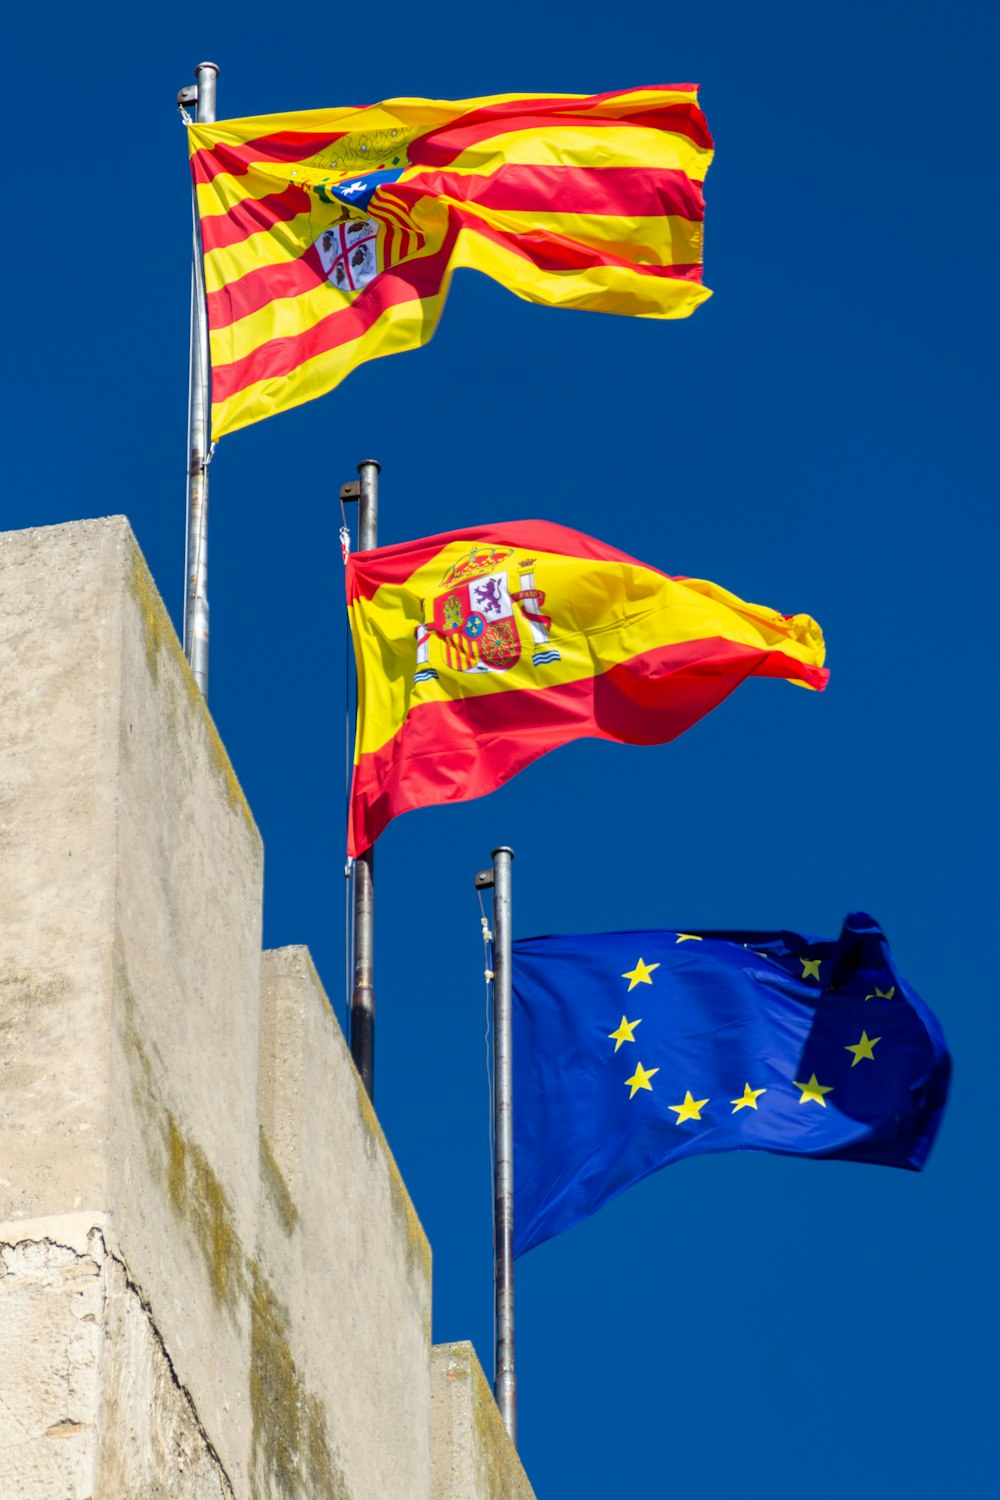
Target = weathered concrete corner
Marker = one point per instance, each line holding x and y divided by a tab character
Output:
472	1458
337	1214
130	950
213	1283
89	1401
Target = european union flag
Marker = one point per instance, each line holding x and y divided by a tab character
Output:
634	1049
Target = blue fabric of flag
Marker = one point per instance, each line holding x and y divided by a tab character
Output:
357	193
635	1049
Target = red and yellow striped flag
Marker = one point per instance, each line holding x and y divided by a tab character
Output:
479	650
330	237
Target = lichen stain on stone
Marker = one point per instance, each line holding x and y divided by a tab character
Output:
499	1472
499	1469
199	1198
179	1162
418	1250
159	636
144	1091
290	1447
158	632
276	1186
327	1476
176	1166
275	1394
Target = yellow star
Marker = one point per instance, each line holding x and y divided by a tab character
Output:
689	1110
814	1091
624	1032
810	968
689	937
881	995
640	1079
639	975
749	1100
863	1049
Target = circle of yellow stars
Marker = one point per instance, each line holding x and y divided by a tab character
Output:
690	1108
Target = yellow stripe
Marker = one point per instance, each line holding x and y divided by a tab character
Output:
270	247
617	289
283	317
406	326
613	289
558	144
680	245
225	191
602	613
563	146
660	240
578	146
423	114
654	241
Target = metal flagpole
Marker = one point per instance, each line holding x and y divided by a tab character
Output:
504	1377
363	997
199	418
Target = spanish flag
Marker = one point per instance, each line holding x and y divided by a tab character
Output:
329	237
479	650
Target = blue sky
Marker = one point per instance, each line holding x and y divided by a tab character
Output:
817	438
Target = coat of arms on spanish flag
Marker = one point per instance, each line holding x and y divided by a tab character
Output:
329	238
478	651
476	613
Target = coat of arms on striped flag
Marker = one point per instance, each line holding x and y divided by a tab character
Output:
349	253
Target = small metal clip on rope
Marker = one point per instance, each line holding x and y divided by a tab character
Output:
187	95
345	544
349	868
209	455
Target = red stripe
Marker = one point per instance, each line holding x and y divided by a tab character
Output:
256	288
282	145
265	284
296	145
549	252
397	225
556	252
368	571
452	752
576	108
439	148
405	283
526	189
647	88
620	192
387	208
250	216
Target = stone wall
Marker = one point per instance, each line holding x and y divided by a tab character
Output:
471	1454
212	1280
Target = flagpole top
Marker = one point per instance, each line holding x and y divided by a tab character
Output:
214	67
374	463
503	849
